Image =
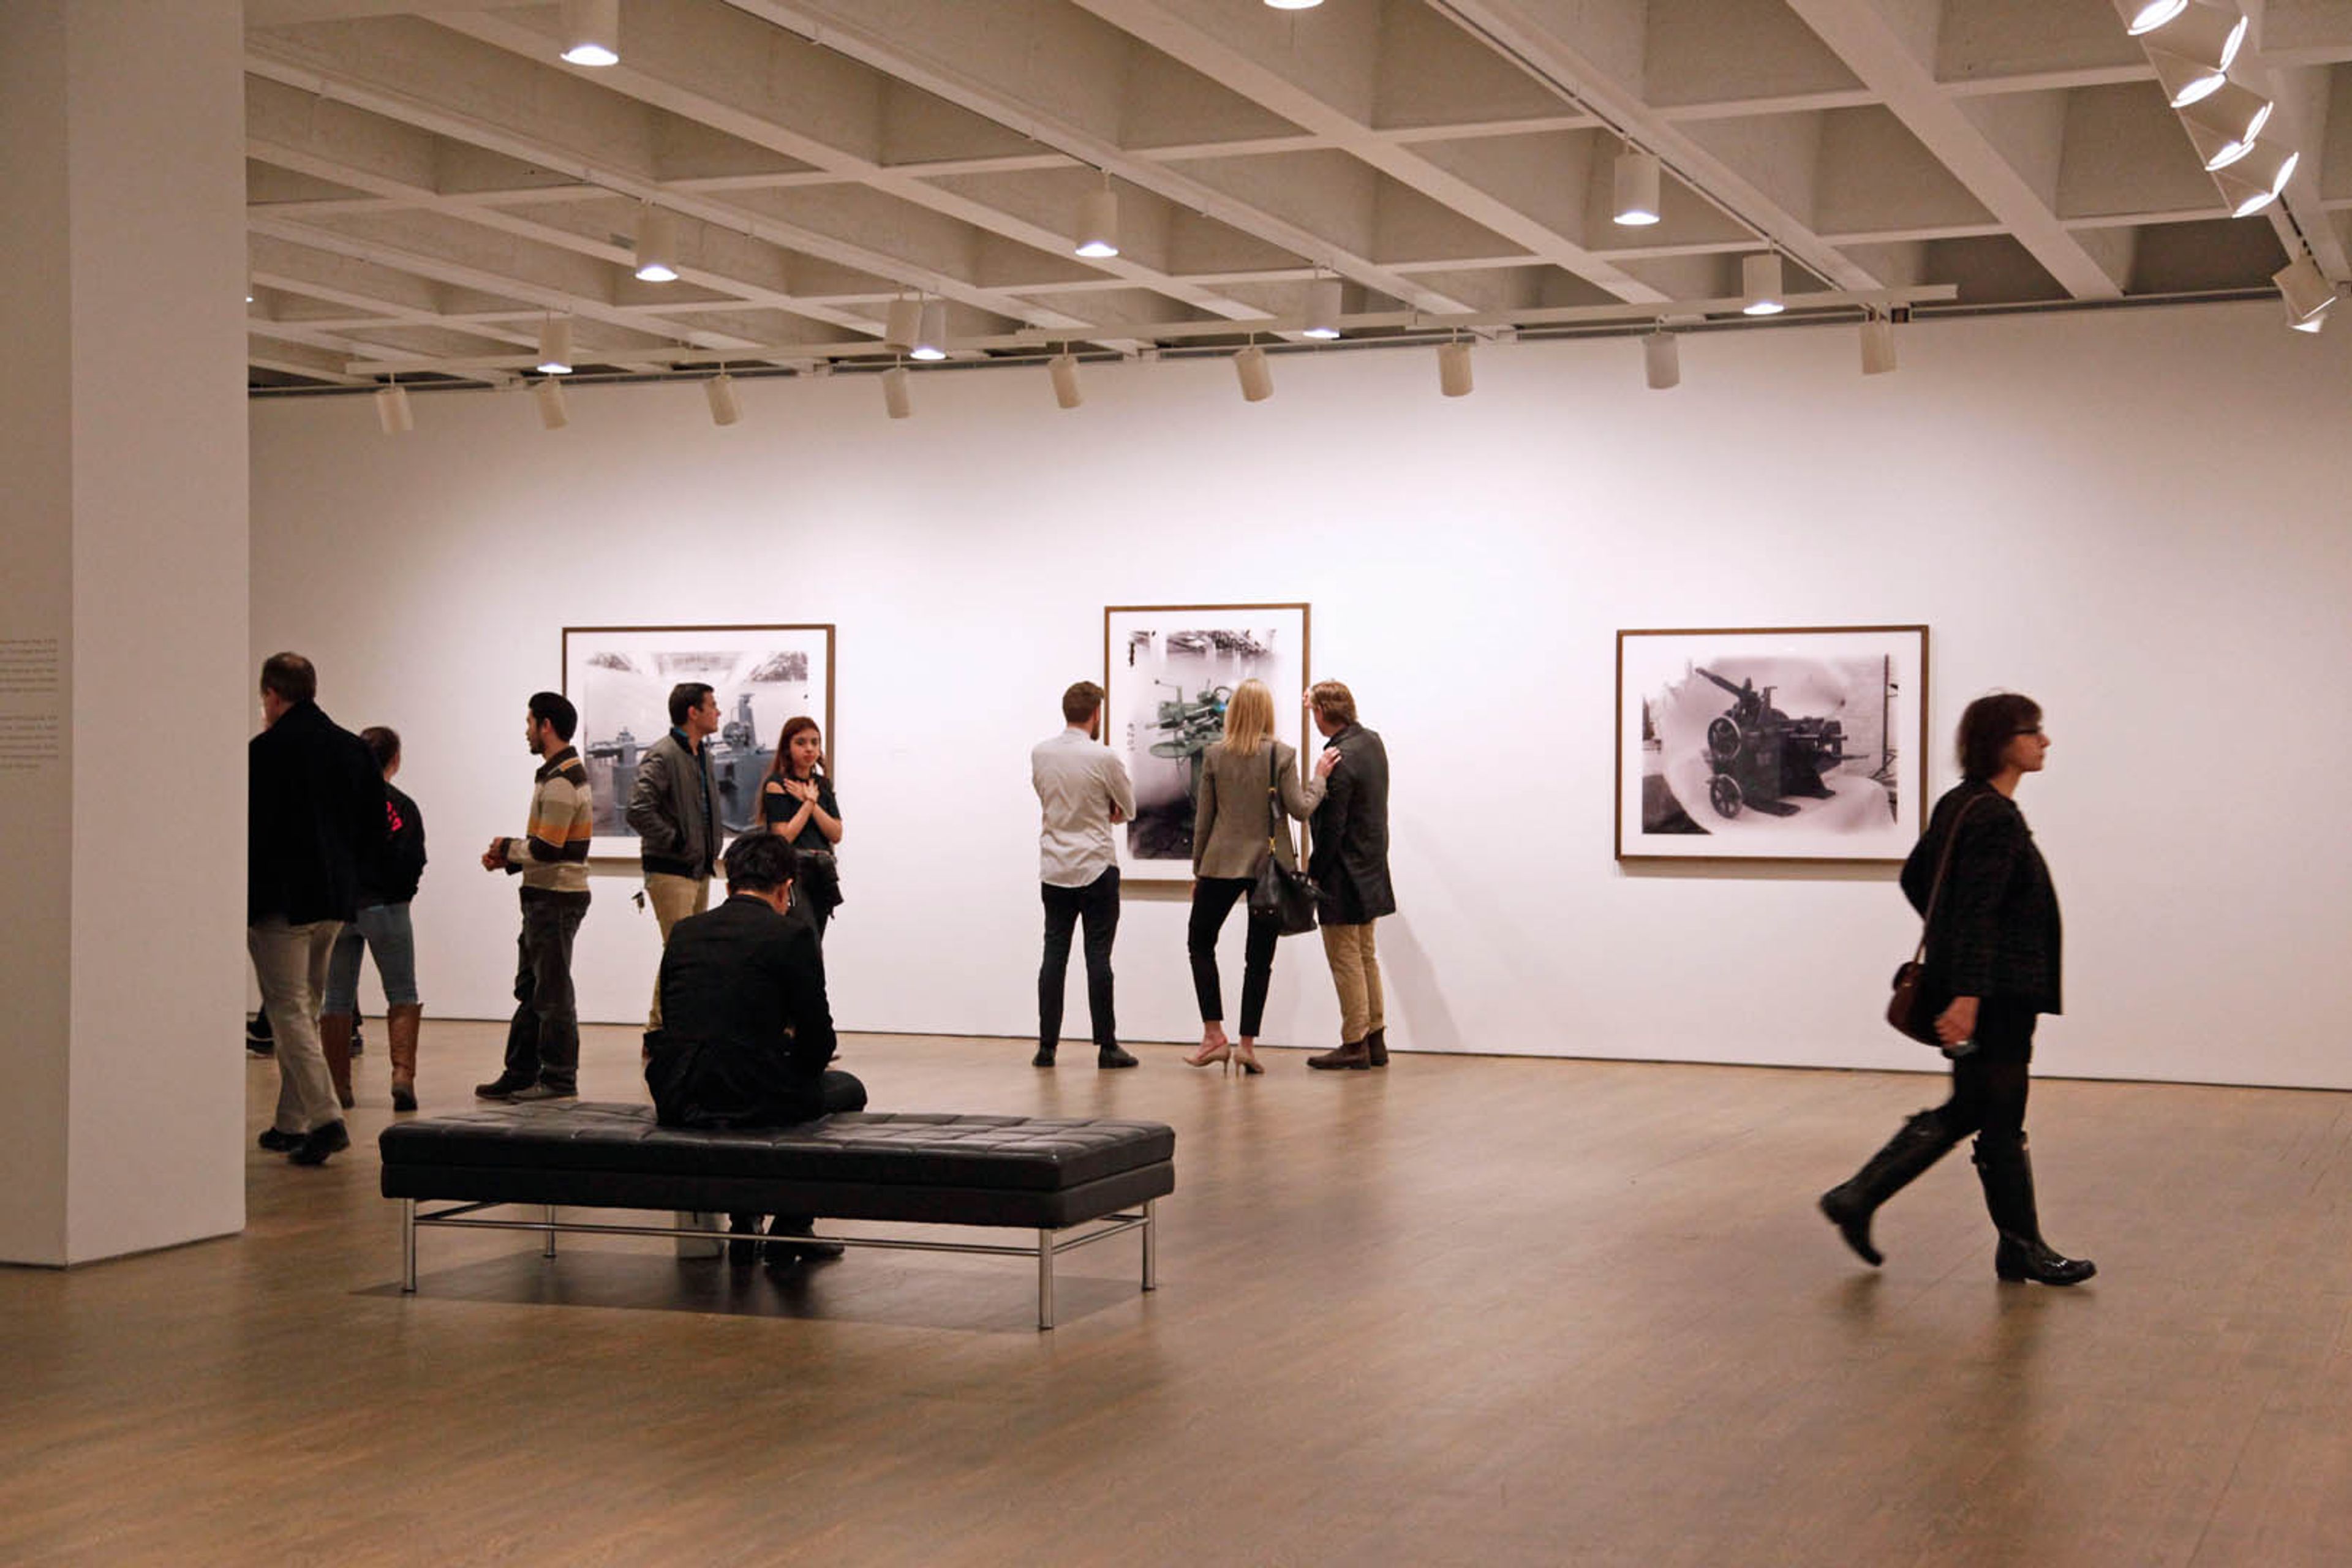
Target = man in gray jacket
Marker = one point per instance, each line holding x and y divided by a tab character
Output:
674	812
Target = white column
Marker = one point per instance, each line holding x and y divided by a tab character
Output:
124	697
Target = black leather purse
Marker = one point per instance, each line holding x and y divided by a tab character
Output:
1286	897
1912	1010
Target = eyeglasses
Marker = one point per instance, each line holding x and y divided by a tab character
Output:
2036	732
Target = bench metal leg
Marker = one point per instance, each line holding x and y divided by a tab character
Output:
550	1230
408	1247
1151	1248
1044	1278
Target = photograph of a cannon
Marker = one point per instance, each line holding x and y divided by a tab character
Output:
1758	754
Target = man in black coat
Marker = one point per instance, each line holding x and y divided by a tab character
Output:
746	1032
1349	864
314	810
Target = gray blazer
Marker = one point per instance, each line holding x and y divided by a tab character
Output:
1232	818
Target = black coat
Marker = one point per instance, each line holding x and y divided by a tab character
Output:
1996	932
745	1029
400	867
314	818
1348	860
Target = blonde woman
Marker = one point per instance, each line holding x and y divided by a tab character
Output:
1231	828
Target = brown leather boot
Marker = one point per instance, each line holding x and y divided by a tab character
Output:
400	1027
1376	1046
1351	1055
335	1041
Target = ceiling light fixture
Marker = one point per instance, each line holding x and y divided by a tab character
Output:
1322	310
2144	16
2231	114
554	346
1634	187
1453	368
896	400
1662	360
901	322
656	245
1877	344
392	409
725	407
931	337
1759	281
549	392
1257	381
1063	371
2207	33
1292	4
1097	234
592	32
2306	290
2254	182
2185	81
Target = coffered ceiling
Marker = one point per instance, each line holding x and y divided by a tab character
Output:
429	183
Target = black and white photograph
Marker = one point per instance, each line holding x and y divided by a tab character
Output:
1169	673
620	680
1791	744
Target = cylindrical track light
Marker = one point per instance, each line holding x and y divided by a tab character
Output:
656	245
1635	186
1292	4
901	322
392	408
931	335
895	399
592	32
1877	344
725	407
2306	323
2302	285
1097	233
2141	15
1662	360
1453	368
1759	280
1063	371
2185	81
1322	309
549	395
2209	35
1257	381
554	346
2254	181
2234	115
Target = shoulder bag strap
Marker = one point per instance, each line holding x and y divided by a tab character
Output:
1273	798
1935	888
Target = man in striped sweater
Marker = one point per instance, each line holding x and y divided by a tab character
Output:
543	1039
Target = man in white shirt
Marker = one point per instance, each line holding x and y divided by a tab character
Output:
1082	792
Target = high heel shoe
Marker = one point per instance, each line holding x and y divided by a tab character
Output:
1210	1056
1245	1059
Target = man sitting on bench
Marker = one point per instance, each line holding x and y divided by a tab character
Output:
745	1032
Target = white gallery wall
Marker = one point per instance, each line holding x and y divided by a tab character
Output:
2137	517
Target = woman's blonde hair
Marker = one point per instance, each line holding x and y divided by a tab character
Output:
1249	717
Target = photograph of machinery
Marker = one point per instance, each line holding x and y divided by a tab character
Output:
1169	673
1796	744
620	679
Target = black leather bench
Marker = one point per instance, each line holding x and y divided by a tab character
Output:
1095	1178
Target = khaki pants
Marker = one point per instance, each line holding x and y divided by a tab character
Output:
290	962
1356	971
674	898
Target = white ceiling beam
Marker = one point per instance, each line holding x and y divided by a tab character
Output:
1877	51
2299	92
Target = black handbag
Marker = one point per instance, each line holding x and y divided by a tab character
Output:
1912	1010
1284	896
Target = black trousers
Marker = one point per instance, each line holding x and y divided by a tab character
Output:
1990	1084
543	1037
1096	904
1213	900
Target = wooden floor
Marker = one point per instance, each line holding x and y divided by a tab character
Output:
1470	1311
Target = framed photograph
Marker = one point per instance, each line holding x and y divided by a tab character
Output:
620	679
1168	671
1772	744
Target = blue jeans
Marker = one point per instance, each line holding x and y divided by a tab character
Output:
385	931
543	1037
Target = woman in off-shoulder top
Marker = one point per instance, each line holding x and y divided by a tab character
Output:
1232	824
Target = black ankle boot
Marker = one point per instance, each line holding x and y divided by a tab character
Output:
1849	1206
2007	1172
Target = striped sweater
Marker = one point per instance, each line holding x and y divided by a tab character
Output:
554	858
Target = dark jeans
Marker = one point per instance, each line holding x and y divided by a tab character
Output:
1096	903
543	1038
1990	1084
1213	900
840	1092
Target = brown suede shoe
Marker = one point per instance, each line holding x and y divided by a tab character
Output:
1352	1055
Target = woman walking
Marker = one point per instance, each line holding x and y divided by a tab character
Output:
796	801
1235	828
388	881
1992	950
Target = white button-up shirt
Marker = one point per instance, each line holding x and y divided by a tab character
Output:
1080	782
